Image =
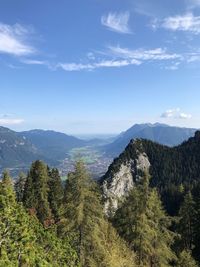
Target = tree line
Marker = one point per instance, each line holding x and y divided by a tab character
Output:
47	222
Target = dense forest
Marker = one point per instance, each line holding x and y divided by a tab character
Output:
45	222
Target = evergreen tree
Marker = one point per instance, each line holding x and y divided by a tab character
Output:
186	223
23	240
142	222
186	260
16	239
36	192
96	241
19	187
55	195
196	224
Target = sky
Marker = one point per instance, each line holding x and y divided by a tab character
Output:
99	66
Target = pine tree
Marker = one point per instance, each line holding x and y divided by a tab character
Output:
186	223
16	239
23	240
186	260
142	222
96	241
55	194
19	187
196	224
36	192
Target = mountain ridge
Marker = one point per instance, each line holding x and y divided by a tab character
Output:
169	167
161	133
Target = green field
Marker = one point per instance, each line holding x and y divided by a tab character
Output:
88	154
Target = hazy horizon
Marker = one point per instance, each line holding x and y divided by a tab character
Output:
88	135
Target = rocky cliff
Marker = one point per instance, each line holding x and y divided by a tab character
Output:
169	168
118	183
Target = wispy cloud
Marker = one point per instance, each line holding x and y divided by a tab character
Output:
170	113
142	54
9	121
117	56
96	65
185	116
117	22
173	66
13	40
186	23
175	114
193	57
34	62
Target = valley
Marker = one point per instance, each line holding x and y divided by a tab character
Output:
96	161
19	149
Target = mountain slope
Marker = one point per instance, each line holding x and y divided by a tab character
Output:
19	149
170	167
52	144
15	151
161	133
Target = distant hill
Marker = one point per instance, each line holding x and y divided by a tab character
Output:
160	133
19	149
52	144
15	150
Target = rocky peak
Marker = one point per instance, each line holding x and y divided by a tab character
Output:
123	174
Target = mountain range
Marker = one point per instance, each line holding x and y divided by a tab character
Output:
19	149
51	144
160	133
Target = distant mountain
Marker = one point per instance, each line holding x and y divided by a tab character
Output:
172	169
15	151
52	144
19	149
160	133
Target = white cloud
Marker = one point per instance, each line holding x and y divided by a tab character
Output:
185	116
175	114
96	65
34	62
116	56
193	57
170	113
117	22
187	23
9	121
91	56
74	66
13	40
142	54
173	66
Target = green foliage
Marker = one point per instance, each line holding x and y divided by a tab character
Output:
186	227
186	260
142	222
196	223
36	192
96	241
19	187
170	168
56	228
23	240
55	194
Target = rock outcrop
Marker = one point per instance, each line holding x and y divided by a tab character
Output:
117	184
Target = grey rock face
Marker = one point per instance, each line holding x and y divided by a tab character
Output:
121	182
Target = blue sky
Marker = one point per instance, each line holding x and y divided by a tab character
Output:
99	66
